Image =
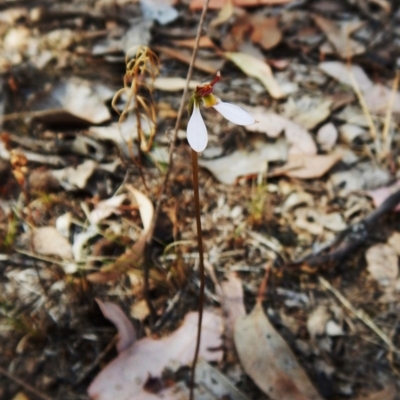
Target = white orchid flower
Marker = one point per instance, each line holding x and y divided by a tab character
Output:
197	135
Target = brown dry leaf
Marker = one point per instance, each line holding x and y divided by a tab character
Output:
217	4
20	396
48	241
305	166
266	31
339	37
127	374
126	331
241	162
204	42
382	263
207	66
269	361
237	34
388	393
258	69
299	140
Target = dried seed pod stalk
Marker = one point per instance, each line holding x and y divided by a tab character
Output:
142	67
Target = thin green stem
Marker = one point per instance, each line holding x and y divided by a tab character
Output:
195	171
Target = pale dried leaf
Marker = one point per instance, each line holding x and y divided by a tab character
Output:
173	84
363	176
217	4
382	263
106	208
159	10
224	14
327	136
48	241
309	166
126	331
342	73
308	112
149	357
317	320
76	98
245	162
394	242
140	310
269	361
308	220
299	140
333	222
379	97
73	178
381	194
296	199
333	328
258	69
146	207
350	132
232	302
339	37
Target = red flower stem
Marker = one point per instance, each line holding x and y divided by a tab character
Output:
195	171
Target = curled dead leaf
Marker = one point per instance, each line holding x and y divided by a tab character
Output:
126	331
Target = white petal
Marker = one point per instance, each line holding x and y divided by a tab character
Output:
234	114
196	131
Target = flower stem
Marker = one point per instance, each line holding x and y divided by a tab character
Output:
195	171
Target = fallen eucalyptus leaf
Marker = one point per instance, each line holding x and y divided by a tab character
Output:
269	361
258	69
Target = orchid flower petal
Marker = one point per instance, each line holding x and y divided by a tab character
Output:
196	131
234	113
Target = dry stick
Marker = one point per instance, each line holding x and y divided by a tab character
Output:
353	236
25	385
386	137
195	170
364	107
150	234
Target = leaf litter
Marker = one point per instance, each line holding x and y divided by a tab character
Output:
78	191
